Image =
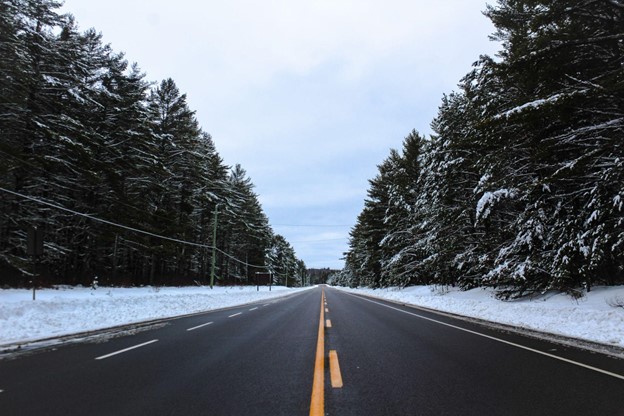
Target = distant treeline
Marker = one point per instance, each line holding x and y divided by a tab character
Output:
83	133
521	187
320	276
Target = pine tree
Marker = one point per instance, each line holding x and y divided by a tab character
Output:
562	63
452	174
171	192
398	254
282	261
245	233
78	129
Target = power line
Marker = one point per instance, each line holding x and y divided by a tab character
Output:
319	241
312	225
136	230
204	188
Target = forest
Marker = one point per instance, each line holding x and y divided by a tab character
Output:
114	171
520	185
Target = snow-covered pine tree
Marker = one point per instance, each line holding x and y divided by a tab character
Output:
244	231
558	121
282	261
77	129
371	228
171	195
16	77
380	243
47	142
398	264
450	175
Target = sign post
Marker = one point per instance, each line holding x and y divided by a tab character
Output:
262	274
34	248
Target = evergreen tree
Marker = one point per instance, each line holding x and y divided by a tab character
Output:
78	129
397	246
563	60
520	187
171	192
244	229
282	261
451	174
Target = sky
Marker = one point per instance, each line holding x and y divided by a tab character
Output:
307	96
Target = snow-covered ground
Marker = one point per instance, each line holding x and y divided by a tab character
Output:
591	318
70	310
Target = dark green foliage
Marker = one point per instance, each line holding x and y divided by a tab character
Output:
82	129
521	186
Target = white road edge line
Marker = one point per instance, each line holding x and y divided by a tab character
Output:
513	344
253	309
126	349
236	314
199	326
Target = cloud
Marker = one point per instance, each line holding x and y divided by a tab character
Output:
320	192
308	96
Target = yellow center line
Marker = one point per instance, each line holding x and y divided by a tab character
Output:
317	403
334	370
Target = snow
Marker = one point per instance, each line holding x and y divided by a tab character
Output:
591	318
617	202
490	198
537	104
70	310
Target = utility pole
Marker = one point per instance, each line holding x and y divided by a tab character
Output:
214	246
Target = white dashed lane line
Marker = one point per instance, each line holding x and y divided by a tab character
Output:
199	326
154	340
125	350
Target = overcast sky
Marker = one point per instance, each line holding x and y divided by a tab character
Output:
308	96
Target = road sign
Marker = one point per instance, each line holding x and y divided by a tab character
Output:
35	242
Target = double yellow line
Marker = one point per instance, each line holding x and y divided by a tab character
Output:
317	403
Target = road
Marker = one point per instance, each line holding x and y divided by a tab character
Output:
289	356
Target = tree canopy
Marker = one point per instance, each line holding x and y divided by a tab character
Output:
114	169
521	185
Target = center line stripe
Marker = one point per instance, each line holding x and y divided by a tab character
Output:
334	370
236	314
125	350
253	309
317	402
199	326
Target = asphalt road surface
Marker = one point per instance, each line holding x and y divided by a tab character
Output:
321	351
